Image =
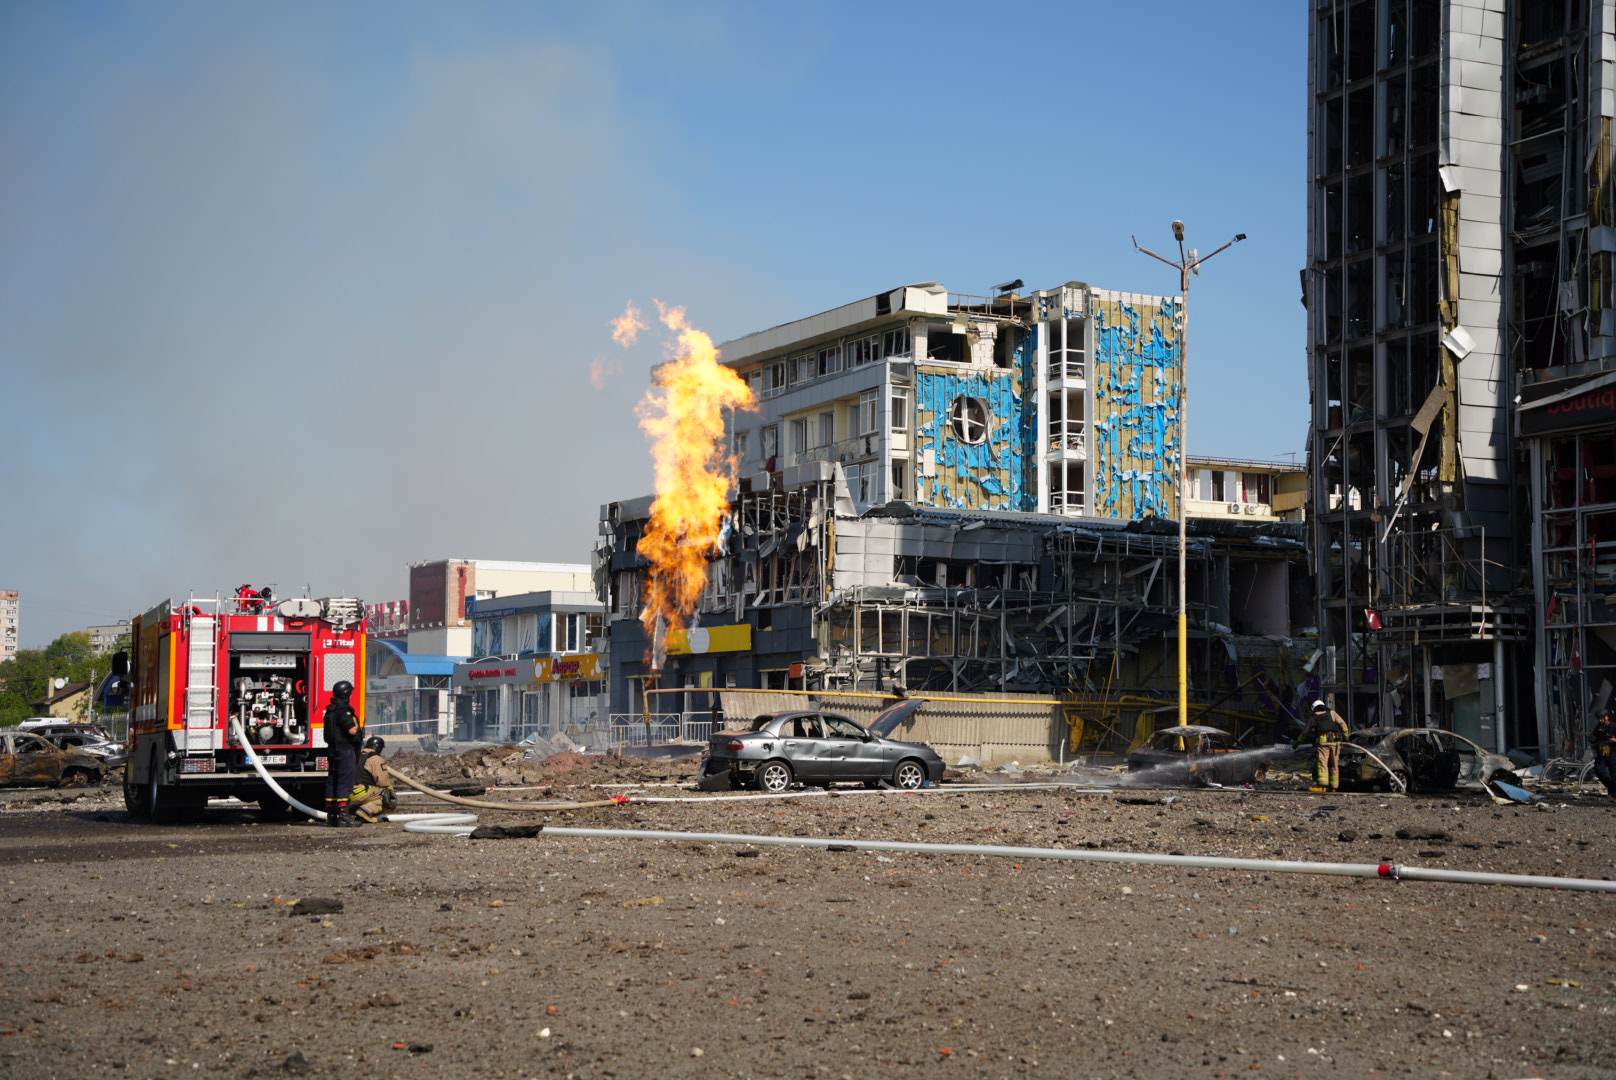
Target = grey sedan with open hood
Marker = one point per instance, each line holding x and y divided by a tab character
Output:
816	747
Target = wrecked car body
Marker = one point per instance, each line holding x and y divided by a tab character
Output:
815	747
1423	759
1198	755
27	759
90	738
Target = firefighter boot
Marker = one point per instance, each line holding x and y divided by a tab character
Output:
338	816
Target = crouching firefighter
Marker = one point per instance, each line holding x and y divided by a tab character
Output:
374	796
343	736
1327	731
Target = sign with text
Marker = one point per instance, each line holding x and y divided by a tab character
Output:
484	673
1596	405
584	666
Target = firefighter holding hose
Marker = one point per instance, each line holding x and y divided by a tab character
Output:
343	736
1327	731
1602	739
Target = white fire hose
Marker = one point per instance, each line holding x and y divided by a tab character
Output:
1211	862
461	824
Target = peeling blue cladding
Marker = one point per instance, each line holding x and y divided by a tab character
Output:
987	475
1138	389
1026	361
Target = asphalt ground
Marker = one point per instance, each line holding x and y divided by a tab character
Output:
167	951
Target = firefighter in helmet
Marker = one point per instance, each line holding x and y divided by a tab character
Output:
1326	731
343	736
374	795
1602	740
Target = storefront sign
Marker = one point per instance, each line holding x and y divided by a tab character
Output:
493	673
390	684
700	640
569	668
1594	406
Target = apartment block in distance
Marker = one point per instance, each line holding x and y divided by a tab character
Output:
10	616
1462	332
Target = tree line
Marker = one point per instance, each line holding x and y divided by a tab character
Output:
27	676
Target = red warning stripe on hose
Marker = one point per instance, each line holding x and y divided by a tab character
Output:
1387	870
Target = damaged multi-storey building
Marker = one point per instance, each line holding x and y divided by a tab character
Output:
971	498
1462	333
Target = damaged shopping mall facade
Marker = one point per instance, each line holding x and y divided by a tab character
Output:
1461	290
970	498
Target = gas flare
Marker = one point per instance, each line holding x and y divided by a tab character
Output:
683	415
627	326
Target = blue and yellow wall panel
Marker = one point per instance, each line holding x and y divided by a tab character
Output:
1138	377
993	474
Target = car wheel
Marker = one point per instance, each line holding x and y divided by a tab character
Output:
909	775
1407	785
774	777
77	778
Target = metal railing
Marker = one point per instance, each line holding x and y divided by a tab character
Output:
1067	435
1075	370
659	729
859	446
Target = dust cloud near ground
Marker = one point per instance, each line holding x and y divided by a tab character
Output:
213	946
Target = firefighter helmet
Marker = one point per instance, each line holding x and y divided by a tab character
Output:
375	744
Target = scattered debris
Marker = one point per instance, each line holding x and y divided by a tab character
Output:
315	905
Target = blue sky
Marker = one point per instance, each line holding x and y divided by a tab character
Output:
305	292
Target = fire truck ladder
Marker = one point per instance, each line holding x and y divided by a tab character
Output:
201	686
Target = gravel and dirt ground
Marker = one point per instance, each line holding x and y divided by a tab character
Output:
143	951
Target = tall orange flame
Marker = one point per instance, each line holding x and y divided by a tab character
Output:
683	414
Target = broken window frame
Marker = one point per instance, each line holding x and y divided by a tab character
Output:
859	352
867	412
969	420
897	342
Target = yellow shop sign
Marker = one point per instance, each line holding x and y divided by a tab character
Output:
568	668
710	639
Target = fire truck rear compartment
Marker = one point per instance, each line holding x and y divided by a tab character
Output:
269	688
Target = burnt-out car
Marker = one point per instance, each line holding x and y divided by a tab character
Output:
816	747
90	738
1423	759
25	758
1196	754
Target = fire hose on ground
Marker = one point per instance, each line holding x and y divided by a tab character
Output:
462	825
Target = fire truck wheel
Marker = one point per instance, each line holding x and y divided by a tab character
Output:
134	797
272	806
165	805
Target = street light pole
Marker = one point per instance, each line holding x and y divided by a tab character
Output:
1188	263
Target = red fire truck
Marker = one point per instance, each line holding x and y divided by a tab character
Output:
208	664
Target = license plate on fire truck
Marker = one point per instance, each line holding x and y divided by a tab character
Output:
272	759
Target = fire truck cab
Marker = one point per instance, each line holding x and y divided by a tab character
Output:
206	667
